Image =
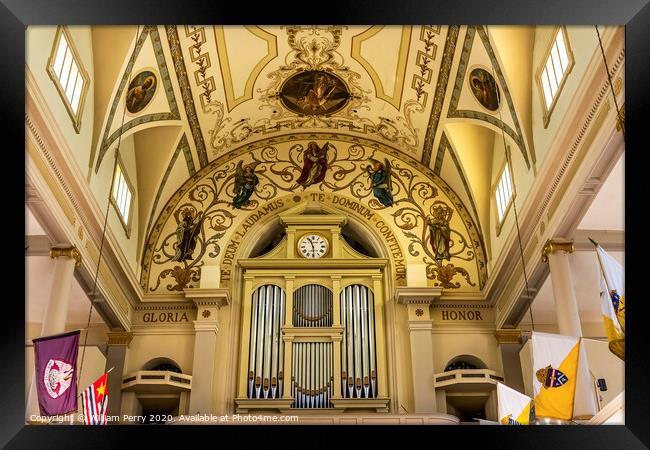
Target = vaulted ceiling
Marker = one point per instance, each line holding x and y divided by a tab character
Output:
442	97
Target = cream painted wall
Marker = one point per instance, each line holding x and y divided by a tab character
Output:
100	185
474	147
177	346
604	364
513	45
39	41
583	42
483	345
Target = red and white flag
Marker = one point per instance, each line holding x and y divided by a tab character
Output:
95	402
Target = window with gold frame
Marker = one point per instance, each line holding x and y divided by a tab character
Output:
503	194
552	74
68	75
122	196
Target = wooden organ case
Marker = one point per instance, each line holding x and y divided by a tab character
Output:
312	332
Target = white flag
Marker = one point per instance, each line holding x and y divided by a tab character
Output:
514	407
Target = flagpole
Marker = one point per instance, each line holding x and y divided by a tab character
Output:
600	263
51	336
602	270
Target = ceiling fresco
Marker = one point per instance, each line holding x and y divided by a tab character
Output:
401	89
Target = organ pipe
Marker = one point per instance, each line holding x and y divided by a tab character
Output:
312	374
312	306
266	347
358	354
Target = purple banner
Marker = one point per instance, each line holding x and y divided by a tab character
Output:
55	361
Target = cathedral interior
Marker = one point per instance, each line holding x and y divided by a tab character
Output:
346	224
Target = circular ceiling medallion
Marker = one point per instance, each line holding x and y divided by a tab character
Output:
485	88
140	91
314	93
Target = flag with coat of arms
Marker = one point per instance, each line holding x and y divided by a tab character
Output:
95	402
612	299
514	408
559	366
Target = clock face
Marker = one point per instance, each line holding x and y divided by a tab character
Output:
313	246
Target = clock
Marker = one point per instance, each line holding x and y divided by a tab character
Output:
313	246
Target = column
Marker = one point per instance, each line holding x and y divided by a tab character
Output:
208	301
118	342
418	301
510	342
65	261
288	340
336	340
556	253
245	339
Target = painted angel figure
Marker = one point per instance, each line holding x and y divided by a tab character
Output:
245	183
314	165
380	174
186	234
440	237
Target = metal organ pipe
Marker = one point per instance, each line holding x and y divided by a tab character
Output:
312	306
358	355
266	347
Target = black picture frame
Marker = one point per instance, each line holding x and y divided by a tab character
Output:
15	15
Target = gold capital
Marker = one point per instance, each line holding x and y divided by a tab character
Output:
119	338
508	336
556	245
69	252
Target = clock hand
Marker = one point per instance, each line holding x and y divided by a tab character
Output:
313	250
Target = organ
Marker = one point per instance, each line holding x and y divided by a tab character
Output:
312	330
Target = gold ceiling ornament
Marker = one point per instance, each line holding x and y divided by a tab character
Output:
69	252
556	245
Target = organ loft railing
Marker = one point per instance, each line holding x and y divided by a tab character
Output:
313	342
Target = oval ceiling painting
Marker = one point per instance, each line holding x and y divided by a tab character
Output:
140	91
485	89
314	93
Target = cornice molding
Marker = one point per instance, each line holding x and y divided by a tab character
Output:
119	338
417	295
208	296
508	336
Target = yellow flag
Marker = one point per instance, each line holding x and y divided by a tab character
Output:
555	372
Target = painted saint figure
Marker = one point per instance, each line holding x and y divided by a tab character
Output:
140	94
380	174
314	165
440	237
245	183
186	234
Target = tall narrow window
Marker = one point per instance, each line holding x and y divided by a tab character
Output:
552	75
122	196
504	193
69	77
